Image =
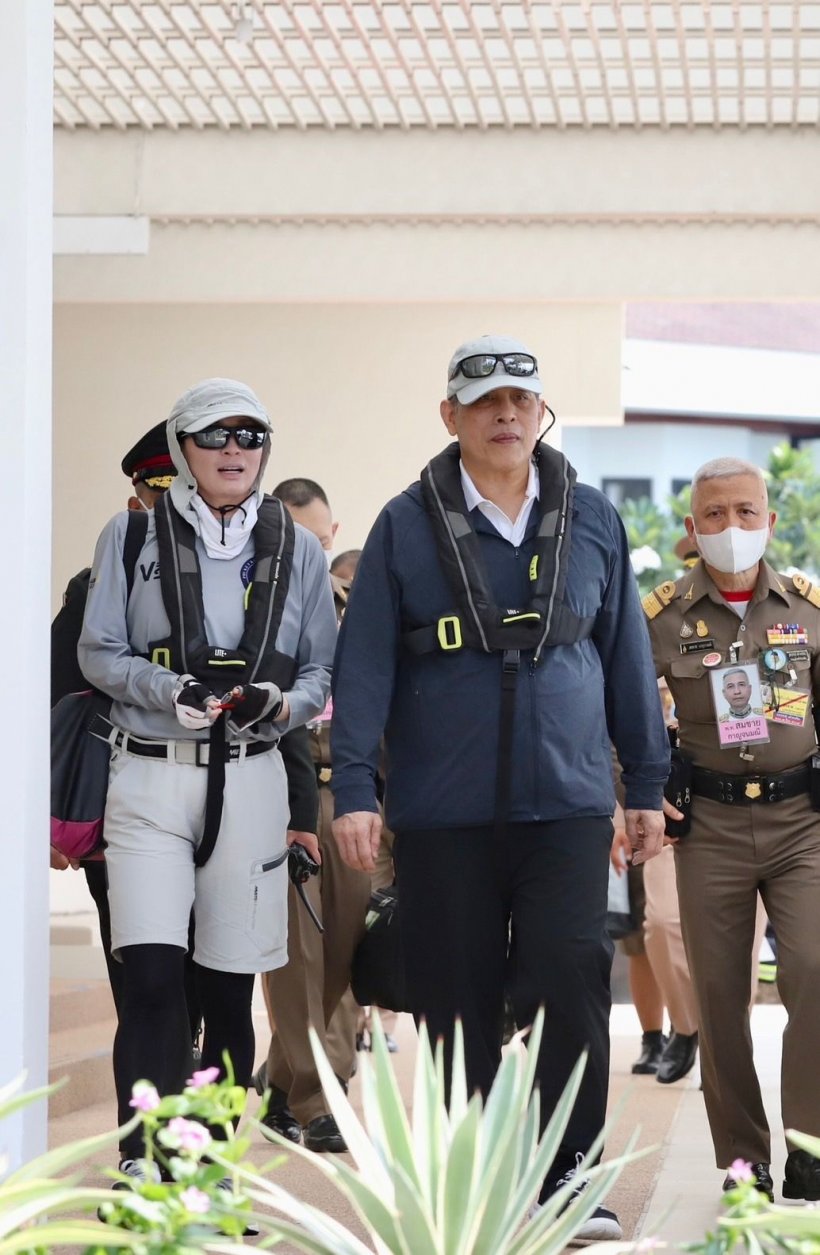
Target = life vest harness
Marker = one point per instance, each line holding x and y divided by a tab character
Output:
187	649
477	622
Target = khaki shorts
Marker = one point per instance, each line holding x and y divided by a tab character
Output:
153	823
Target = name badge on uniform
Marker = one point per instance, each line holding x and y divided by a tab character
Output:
739	706
697	647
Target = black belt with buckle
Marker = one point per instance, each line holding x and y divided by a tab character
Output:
746	790
186	753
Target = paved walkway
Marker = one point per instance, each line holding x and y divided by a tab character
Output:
673	1194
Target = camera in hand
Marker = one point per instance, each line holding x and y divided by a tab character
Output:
300	865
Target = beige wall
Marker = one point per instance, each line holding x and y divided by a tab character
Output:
353	391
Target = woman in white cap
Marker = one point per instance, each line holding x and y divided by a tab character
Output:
225	641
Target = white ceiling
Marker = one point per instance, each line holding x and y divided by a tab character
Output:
436	64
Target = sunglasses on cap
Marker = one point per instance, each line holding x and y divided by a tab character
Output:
218	437
483	364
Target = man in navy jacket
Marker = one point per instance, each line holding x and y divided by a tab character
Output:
494	637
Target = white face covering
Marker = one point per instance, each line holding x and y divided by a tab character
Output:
222	540
734	549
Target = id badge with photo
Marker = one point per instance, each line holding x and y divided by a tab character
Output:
739	706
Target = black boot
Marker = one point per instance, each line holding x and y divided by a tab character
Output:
678	1057
652	1044
802	1177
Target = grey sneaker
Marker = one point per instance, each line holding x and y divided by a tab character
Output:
251	1227
139	1172
601	1226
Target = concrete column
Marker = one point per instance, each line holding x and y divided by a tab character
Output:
25	432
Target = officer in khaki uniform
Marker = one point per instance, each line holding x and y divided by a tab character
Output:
308	990
753	829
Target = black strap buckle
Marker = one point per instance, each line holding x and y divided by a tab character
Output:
511	661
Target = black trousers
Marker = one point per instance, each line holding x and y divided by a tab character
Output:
525	914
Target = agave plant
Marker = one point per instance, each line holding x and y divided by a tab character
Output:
33	1201
451	1180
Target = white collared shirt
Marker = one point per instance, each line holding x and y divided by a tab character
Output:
513	531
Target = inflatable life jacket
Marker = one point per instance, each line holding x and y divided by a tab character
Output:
187	649
478	623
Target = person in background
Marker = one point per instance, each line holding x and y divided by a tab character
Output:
755	830
149	467
309	990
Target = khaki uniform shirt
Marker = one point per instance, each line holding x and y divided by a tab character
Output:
679	610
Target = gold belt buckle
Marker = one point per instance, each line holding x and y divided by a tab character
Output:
753	789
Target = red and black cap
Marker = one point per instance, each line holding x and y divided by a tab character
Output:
149	462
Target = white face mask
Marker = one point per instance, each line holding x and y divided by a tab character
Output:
734	549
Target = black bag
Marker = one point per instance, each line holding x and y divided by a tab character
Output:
79	774
377	974
79	761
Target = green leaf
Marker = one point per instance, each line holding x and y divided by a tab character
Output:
428	1119
383	1105
358	1143
62	1157
460	1179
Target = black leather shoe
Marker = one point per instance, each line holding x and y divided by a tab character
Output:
678	1057
648	1061
280	1118
802	1178
322	1135
763	1182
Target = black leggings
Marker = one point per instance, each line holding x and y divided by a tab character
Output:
153	1040
97	881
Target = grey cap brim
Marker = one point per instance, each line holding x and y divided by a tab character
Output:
469	390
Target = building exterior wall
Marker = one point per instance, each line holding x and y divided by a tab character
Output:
353	391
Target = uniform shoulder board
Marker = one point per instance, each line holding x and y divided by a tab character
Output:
805	588
660	597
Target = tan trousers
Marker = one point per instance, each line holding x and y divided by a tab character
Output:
664	942
731	854
308	989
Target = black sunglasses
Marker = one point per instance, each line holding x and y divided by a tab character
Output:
483	364
218	437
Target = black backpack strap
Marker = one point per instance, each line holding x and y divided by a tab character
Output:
135	532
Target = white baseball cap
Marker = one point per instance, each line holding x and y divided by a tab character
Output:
499	373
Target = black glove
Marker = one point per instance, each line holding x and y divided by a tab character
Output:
191	699
251	702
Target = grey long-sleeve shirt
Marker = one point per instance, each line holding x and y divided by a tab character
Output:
117	627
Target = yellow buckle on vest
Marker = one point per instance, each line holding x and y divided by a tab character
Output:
161	657
534	569
449	632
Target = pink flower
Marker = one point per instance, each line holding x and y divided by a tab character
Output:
740	1171
206	1077
192	1135
145	1097
194	1200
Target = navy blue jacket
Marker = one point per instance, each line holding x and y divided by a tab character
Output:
439	712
